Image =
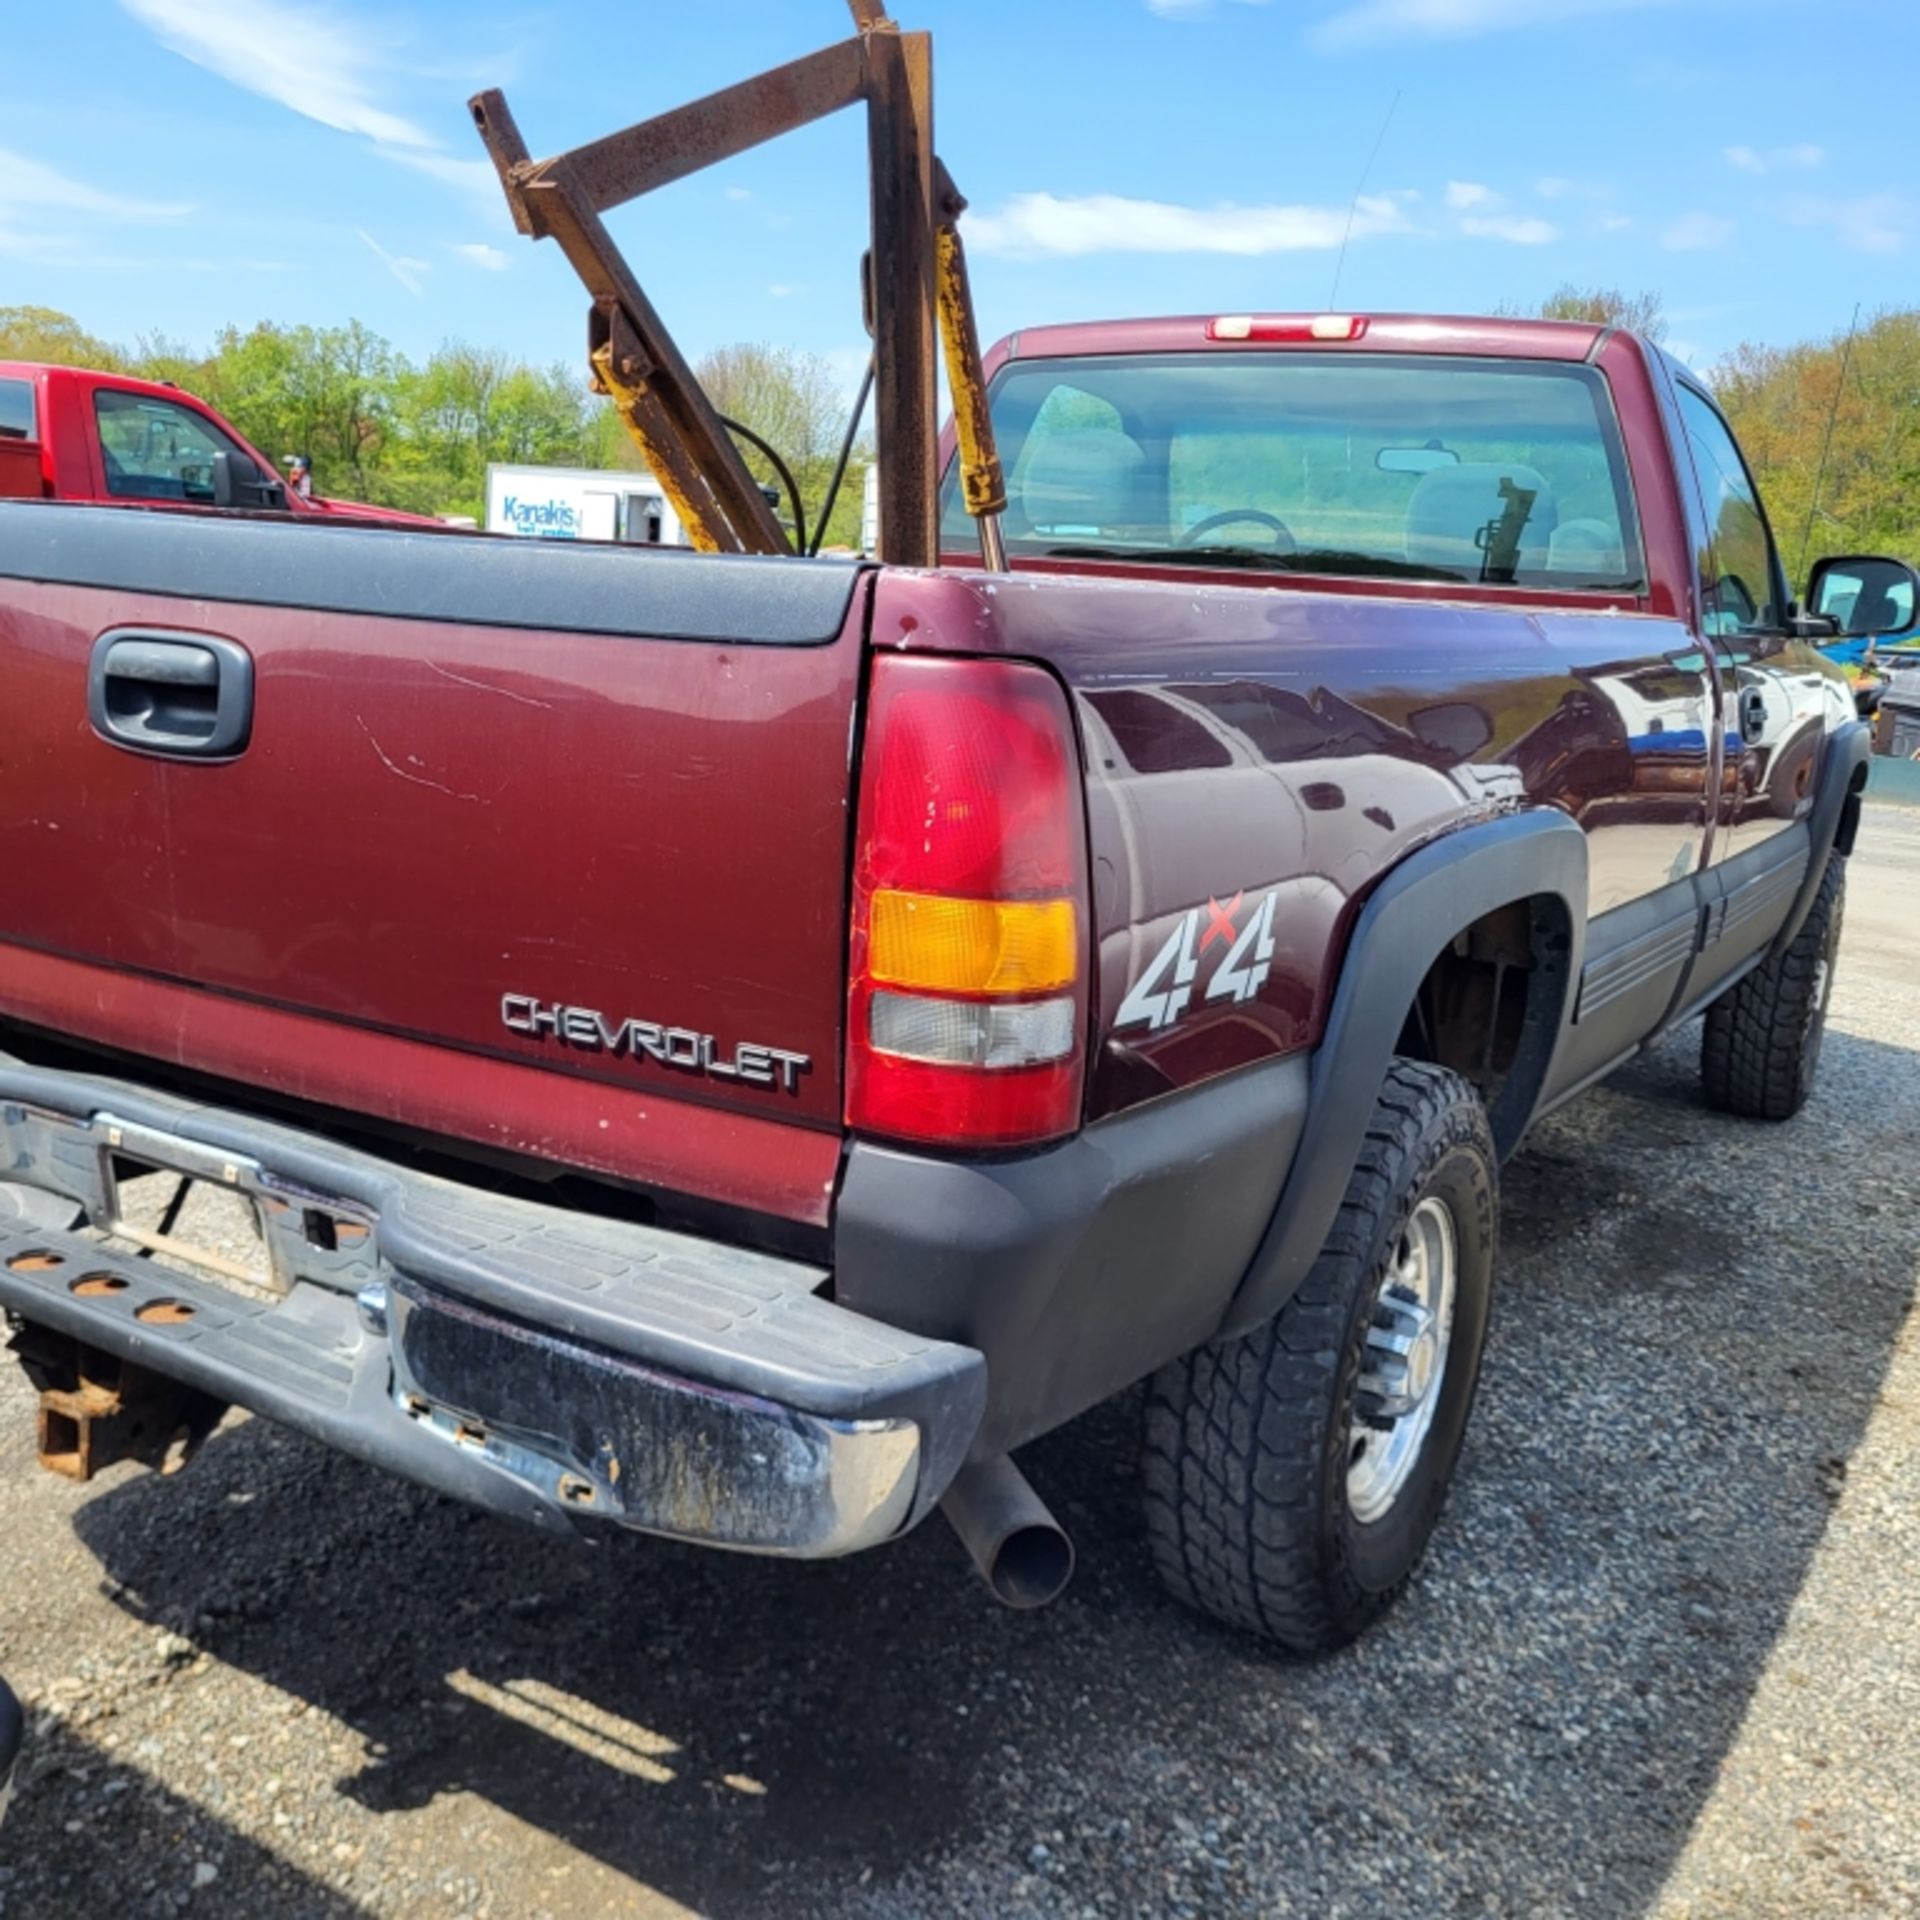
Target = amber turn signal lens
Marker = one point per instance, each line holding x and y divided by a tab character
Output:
942	945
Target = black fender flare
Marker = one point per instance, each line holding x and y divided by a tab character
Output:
1834	819
1421	904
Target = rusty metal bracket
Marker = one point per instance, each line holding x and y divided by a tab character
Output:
916	285
97	1409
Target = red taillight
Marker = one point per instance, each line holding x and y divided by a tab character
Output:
967	1008
1304	328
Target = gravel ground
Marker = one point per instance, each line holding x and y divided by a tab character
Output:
1664	1658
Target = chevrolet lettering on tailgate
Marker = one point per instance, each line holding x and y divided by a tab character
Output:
670	1046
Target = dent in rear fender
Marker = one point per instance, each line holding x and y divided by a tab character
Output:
1403	928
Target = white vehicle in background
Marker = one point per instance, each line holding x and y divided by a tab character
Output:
581	503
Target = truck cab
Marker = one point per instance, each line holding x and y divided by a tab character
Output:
70	433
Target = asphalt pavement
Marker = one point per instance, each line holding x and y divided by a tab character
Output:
1664	1658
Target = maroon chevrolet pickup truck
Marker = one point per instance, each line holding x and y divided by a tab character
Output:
733	1048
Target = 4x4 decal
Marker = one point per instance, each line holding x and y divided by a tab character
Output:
1161	994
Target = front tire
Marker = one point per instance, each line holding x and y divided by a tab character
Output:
1761	1045
1294	1475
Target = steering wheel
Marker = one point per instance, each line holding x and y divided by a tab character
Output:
1283	540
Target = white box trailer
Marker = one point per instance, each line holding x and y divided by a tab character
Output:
581	503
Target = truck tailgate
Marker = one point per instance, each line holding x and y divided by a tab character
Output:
548	841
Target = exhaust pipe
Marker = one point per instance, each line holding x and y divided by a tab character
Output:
1019	1547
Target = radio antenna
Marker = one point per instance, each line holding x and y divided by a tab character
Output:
1340	265
1826	443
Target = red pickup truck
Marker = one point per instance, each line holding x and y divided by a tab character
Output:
733	1048
67	433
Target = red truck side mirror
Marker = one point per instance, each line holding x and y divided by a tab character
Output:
237	482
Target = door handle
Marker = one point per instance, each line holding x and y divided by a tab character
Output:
188	696
1753	715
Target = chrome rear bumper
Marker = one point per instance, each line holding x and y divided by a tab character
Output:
566	1369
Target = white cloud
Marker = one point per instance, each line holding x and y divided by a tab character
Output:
1696	233
32	183
318	63
301	56
1376	22
1482	216
738	193
1046	223
1191	9
409	272
475	177
1557	186
1775	159
476	253
50	218
1521	230
1875	223
1615	222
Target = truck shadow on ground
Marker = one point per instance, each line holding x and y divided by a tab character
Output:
119	1806
1696	1319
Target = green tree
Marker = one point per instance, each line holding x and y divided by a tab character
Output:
1640	313
1854	403
795	402
39	333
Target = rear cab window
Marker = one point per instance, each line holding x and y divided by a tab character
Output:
154	449
16	410
1484	472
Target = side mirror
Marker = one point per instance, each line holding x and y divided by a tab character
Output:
1866	596
237	482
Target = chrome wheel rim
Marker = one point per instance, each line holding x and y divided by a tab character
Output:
1404	1364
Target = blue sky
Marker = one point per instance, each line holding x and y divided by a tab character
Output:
167	166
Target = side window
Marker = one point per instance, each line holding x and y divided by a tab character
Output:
16	410
1745	598
158	450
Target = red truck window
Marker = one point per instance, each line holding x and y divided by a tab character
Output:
16	410
157	450
1436	468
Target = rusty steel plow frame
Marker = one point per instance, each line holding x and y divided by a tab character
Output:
916	286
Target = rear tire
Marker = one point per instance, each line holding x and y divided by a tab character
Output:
1761	1046
1279	1499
